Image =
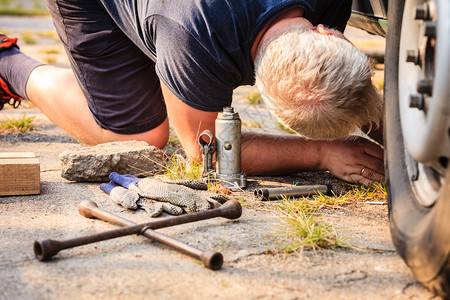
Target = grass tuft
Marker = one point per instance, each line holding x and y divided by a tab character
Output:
254	98
375	191
303	228
28	37
178	167
50	59
18	11
20	125
51	50
47	34
251	124
284	128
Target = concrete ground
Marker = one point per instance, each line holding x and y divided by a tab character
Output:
135	268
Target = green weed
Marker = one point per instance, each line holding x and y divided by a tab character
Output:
177	167
251	124
284	128
50	59
51	51
28	37
254	98
303	226
20	11
22	8
375	191
222	245
47	34
21	125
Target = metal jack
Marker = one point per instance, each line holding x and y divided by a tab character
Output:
228	150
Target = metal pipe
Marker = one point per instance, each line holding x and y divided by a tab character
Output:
295	191
46	249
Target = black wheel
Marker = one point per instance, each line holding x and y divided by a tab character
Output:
417	122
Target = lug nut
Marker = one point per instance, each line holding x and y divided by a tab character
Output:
413	56
422	12
429	29
425	86
417	101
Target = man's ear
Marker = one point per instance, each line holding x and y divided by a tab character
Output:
323	30
326	31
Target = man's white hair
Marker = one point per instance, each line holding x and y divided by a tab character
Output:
317	85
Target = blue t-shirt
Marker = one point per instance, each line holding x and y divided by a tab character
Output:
202	47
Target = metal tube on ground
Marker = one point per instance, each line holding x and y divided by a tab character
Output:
295	191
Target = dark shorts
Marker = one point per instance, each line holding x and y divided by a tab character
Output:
118	80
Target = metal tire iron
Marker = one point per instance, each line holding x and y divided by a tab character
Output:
228	150
44	250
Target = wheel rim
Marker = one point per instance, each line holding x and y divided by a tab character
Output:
421	99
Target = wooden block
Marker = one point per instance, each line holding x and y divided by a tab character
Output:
19	174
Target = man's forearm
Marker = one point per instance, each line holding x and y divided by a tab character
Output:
353	159
264	154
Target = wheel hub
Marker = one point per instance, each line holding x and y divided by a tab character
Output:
424	95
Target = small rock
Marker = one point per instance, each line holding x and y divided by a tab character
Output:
97	162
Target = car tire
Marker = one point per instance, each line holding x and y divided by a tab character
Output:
420	230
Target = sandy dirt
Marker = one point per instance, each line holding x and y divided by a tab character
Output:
135	268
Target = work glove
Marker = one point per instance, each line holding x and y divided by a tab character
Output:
132	200
158	193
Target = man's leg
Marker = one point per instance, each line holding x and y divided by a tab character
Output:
15	69
56	92
112	93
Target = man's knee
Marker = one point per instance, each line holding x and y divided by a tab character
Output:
159	141
157	137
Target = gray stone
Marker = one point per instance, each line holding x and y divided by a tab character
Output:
95	163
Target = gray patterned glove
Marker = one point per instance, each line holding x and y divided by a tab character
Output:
132	200
175	196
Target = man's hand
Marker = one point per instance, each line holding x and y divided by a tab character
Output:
354	159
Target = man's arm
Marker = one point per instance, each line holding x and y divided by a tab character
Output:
188	123
274	154
354	159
